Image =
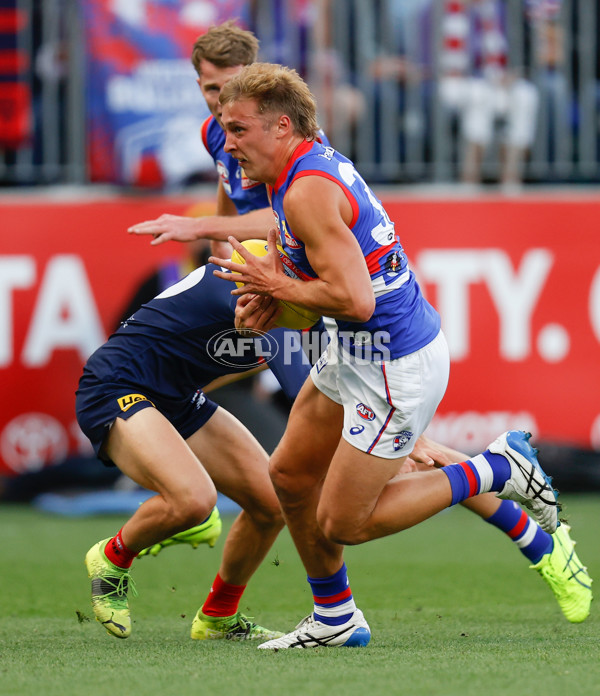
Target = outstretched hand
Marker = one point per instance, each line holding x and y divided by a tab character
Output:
168	227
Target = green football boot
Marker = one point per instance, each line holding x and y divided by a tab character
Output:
567	577
206	533
109	591
236	627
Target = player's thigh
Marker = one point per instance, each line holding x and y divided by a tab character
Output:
387	405
354	483
235	460
310	440
148	449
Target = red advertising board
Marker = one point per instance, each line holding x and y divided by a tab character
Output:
517	282
67	271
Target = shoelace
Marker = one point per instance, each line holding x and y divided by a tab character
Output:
553	580
306	623
122	586
240	625
573	566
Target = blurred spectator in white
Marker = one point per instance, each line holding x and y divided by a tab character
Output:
476	84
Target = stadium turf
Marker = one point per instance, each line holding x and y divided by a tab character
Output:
452	606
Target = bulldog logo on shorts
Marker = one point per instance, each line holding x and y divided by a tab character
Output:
365	412
401	439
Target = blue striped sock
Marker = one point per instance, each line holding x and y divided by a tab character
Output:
500	470
532	540
333	600
480	474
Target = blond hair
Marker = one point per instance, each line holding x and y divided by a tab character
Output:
225	45
277	90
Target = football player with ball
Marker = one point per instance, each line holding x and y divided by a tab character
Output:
242	211
340	486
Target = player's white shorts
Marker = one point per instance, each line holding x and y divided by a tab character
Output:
387	404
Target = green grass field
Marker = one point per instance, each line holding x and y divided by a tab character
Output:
452	606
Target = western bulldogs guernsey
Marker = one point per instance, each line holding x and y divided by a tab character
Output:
403	321
177	343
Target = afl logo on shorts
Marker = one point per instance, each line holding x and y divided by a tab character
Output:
126	402
365	412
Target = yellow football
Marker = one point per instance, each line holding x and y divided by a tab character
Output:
293	316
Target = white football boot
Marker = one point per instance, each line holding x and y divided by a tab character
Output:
528	484
310	633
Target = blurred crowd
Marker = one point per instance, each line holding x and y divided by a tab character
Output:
413	90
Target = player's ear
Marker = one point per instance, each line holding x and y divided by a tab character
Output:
284	124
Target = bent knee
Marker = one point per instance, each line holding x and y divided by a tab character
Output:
265	514
291	482
340	531
192	511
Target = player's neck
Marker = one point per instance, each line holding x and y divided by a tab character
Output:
285	159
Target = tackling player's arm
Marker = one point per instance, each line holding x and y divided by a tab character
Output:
319	213
179	228
225	207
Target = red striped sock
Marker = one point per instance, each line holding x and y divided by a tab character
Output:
223	599
117	553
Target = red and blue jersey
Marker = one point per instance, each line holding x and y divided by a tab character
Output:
403	320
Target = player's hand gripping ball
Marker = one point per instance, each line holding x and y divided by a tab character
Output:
293	316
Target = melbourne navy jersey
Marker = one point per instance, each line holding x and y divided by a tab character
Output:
403	321
245	193
185	337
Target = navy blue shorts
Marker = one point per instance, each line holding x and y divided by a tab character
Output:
98	404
